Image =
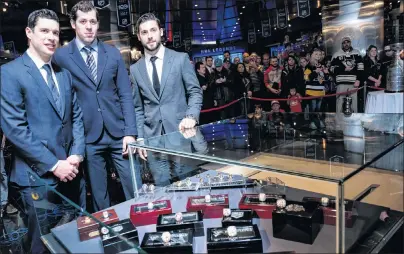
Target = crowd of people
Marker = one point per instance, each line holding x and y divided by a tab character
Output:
291	75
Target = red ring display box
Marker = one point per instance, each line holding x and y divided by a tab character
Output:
330	211
88	228
211	210
262	209
141	215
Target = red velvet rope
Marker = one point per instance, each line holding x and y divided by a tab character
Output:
302	98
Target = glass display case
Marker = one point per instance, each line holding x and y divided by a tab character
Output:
310	183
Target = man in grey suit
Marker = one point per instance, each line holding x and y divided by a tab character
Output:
168	97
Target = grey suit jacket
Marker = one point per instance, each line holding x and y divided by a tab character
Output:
180	95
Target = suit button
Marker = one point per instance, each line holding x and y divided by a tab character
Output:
98	92
160	121
99	110
63	126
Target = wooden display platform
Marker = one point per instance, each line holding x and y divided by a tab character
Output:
389	193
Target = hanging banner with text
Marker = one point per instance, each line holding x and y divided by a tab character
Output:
252	36
282	18
188	44
9	47
303	8
177	39
266	27
123	13
100	4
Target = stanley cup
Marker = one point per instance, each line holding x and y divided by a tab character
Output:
395	75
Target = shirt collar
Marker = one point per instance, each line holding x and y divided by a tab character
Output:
80	45
159	54
38	61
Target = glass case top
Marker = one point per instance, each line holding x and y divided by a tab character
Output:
326	146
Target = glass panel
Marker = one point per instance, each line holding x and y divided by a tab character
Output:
290	142
210	184
60	225
375	207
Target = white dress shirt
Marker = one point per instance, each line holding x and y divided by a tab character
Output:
80	45
39	64
158	62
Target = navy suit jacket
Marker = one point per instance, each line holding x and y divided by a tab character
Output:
107	102
30	121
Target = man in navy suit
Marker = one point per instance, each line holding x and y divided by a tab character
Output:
41	118
105	95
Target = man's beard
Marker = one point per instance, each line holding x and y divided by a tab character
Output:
152	49
346	49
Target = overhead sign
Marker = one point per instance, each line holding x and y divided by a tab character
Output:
188	44
266	28
9	46
282	18
100	4
177	39
123	13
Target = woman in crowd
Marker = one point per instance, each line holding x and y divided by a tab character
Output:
373	75
242	84
292	76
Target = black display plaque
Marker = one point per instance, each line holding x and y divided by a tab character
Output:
247	240
296	224
190	220
123	237
238	218
180	242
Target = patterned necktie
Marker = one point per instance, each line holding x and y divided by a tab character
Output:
92	66
156	82
52	87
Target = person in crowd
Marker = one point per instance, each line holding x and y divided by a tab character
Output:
246	60
295	101
273	79
222	92
208	92
105	95
329	103
372	72
386	58
276	113
257	80
292	76
347	66
226	54
210	70
265	62
42	119
242	86
316	77
236	60
6	207
168	96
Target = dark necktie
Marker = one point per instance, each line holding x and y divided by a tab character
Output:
92	66
156	82
52	87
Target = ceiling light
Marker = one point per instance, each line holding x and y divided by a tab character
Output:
7	3
258	30
238	19
319	13
196	5
234	27
200	23
241	13
243	6
289	25
201	27
4	9
199	18
236	23
197	13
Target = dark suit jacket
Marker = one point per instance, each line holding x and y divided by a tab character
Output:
29	119
180	95
107	102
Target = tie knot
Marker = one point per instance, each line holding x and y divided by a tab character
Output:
88	49
47	68
153	59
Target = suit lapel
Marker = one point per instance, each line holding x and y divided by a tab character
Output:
102	61
167	64
78	59
145	76
36	74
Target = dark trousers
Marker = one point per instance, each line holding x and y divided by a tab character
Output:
107	148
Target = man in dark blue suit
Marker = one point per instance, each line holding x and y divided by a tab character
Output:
105	96
41	118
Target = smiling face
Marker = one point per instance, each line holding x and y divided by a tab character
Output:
86	26
43	38
150	35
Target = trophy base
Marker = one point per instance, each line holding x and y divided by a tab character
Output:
114	244
181	242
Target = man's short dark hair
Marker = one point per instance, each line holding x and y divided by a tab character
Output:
146	17
43	13
84	6
206	58
198	66
226	52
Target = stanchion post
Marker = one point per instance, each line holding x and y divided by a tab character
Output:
364	97
245	104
